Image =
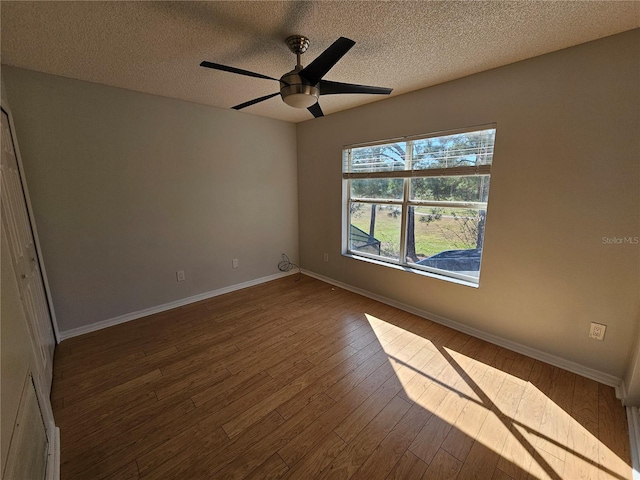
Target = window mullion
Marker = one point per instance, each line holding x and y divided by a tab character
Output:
346	200
408	155
445	204
377	201
429	172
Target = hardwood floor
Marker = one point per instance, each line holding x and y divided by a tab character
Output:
301	380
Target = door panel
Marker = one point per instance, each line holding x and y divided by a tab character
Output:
15	220
28	450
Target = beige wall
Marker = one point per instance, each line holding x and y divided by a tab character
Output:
566	173
128	188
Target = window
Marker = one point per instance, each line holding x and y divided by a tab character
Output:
420	202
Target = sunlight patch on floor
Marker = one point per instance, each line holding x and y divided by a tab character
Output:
529	432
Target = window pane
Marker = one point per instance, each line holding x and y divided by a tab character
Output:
375	229
446	238
458	150
378	188
378	158
455	189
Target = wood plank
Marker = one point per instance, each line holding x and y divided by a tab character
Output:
554	429
351	426
202	462
188	384
427	443
614	452
390	451
361	416
519	450
349	460
210	417
112	391
585	399
269	404
582	450
430	372
128	472
483	456
500	475
409	467
319	458
299	445
179	446
522	367
546	467
348	382
461	437
271	469
261	450
304	397
102	456
443	467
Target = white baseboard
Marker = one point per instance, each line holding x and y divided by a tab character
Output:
560	362
633	418
74	332
53	462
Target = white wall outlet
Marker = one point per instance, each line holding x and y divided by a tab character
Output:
597	331
234	263
180	276
325	258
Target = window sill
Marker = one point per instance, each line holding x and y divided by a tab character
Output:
404	268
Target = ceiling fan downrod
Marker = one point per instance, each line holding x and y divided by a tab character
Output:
298	44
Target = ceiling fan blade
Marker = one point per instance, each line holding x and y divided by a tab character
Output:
326	60
225	68
315	110
255	100
332	88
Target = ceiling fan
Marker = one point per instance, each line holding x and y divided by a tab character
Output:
302	86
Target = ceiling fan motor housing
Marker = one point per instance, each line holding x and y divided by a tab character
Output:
296	91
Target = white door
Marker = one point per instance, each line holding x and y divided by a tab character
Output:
28	450
15	219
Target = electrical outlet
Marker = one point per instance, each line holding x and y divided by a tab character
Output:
597	331
234	263
180	276
325	258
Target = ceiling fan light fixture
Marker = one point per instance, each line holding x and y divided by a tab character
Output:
300	96
296	94
300	100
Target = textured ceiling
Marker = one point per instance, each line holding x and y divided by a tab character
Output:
156	47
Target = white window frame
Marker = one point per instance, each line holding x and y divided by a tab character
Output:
405	202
